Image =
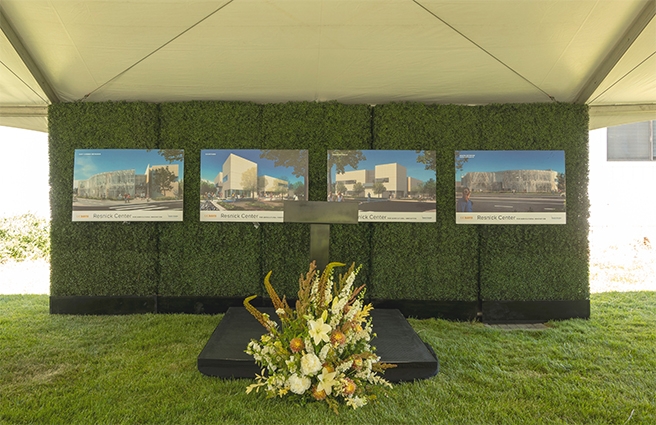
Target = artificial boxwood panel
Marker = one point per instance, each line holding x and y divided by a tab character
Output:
98	258
100	272
213	259
532	262
430	261
317	127
208	258
440	261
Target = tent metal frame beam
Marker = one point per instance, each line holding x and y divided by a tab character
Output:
611	115
23	111
27	59
613	109
624	43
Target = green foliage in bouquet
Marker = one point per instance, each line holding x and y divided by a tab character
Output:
322	349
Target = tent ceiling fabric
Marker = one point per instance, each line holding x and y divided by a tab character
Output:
350	51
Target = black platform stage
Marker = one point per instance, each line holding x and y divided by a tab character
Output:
396	342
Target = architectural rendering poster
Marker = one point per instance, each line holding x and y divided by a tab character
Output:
388	185
510	187
128	185
250	185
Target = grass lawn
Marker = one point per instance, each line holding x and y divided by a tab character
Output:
141	369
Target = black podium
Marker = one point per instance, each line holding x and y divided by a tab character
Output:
396	342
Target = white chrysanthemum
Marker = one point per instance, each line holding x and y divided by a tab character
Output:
310	364
298	384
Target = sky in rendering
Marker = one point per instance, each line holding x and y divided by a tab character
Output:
211	163
492	161
89	162
406	158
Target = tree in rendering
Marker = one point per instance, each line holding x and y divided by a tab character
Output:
161	181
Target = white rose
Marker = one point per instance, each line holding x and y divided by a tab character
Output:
310	364
298	384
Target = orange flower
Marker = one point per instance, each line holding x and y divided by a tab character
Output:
338	338
318	395
296	345
349	386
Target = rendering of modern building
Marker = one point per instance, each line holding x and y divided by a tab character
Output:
512	180
350	178
272	186
238	178
109	185
414	185
117	184
392	176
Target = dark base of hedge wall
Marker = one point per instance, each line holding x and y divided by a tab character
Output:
534	311
424	309
98	305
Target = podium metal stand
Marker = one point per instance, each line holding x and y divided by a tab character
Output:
320	215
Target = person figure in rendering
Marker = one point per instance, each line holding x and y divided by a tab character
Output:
465	204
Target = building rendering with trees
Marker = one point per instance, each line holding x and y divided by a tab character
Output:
159	181
512	180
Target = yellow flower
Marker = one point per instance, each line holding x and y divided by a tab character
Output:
318	329
326	381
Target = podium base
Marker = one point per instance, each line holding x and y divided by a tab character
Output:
396	342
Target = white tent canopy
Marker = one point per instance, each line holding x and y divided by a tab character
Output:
598	52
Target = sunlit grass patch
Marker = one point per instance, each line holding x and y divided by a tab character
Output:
142	369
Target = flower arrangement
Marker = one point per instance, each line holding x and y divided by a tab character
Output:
322	349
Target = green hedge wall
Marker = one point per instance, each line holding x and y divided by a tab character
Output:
427	261
440	261
539	262
208	259
98	258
